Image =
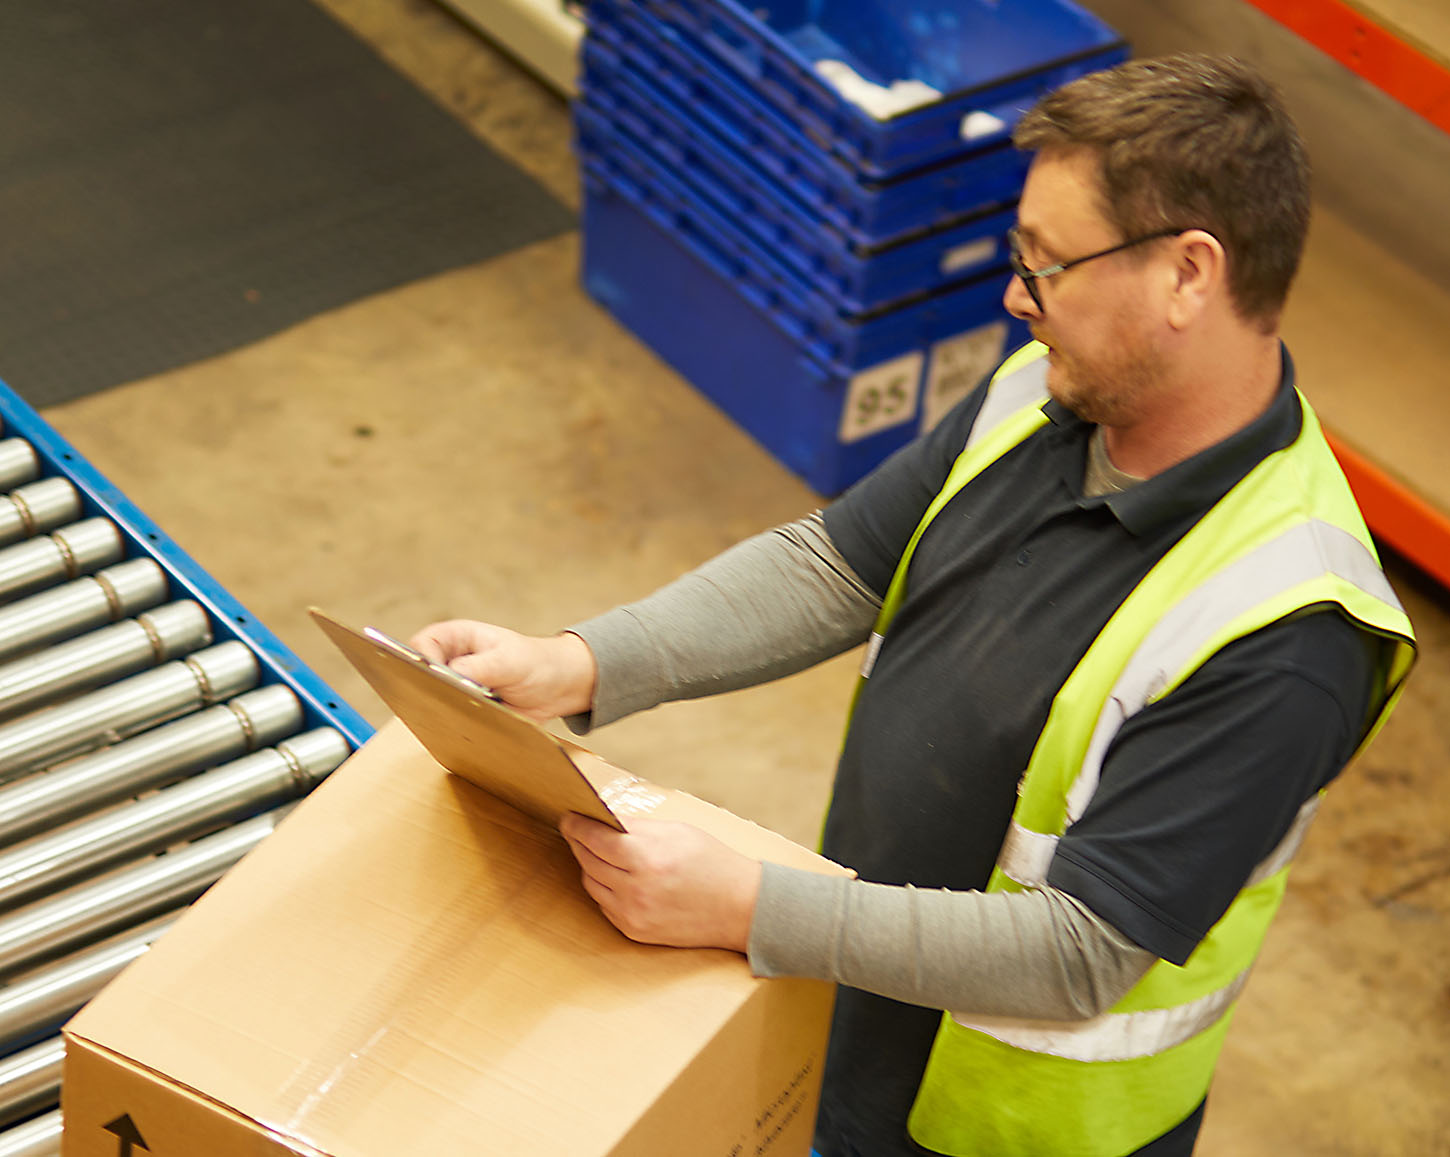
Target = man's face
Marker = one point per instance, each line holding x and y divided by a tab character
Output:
1096	318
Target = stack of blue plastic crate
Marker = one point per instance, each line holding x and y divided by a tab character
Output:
832	279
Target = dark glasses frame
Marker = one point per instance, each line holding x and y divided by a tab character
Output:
1030	277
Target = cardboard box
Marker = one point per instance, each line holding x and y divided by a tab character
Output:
410	966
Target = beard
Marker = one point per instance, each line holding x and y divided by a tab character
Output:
1109	389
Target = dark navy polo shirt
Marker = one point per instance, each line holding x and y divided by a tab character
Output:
1008	587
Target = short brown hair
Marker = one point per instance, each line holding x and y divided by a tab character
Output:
1192	142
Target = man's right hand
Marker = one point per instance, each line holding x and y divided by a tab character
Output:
539	677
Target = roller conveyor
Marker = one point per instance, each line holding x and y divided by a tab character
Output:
37	1137
35	1004
186	811
98	657
66	919
151	734
30	1080
93	601
44	505
153	759
37	741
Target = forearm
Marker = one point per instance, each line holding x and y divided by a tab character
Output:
1039	954
775	604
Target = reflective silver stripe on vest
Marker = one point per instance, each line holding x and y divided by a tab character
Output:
1008	395
1026	855
1288	848
873	648
1301	554
1114	1036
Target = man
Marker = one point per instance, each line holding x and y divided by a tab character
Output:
1128	625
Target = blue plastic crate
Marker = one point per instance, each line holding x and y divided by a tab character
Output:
983	56
867	212
321	706
632	111
804	313
828	424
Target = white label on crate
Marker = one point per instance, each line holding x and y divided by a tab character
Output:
981	124
972	253
881	397
958	364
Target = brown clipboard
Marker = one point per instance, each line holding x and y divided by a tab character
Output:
468	731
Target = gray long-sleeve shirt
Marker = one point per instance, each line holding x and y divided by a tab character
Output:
776	604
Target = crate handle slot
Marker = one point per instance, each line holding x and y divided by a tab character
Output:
742	52
706	247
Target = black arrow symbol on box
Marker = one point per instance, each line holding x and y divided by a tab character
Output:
127	1134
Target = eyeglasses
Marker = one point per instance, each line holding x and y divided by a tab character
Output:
1030	277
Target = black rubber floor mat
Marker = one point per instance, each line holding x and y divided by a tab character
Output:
182	177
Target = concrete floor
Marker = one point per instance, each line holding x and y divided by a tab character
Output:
490	443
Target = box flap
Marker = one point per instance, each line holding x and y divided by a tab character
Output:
109	1101
409	964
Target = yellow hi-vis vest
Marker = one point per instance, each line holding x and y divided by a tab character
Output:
1288	537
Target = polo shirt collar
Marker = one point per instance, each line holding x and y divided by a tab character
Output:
1194	485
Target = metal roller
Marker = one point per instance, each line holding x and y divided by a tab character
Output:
189	809
37	507
80	548
37	1003
98	657
88	911
89	721
150	760
37	1138
19	463
30	1080
117	592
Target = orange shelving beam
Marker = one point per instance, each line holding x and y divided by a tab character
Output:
1399	518
1392	63
1420	80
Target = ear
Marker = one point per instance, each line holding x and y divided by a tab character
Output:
1199	275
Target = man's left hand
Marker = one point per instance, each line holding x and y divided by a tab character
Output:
667	883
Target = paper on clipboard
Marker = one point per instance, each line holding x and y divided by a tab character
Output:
467	731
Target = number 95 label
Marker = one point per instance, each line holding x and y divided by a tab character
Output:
881	397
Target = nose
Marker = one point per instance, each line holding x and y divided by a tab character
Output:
1018	302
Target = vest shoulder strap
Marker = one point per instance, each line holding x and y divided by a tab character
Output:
1007	417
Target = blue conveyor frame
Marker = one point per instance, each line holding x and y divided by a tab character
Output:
322	707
